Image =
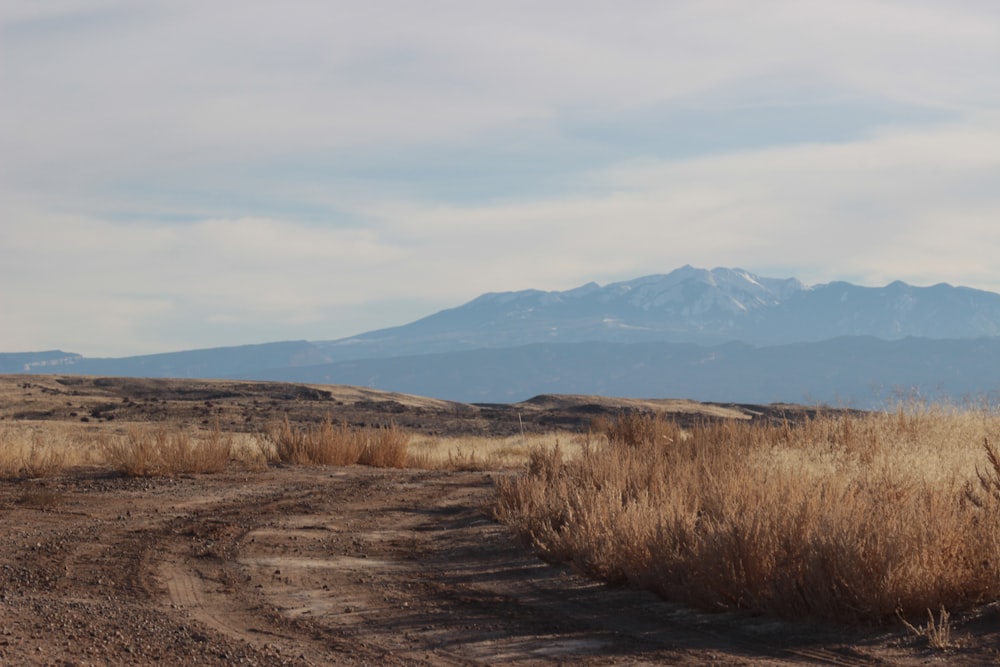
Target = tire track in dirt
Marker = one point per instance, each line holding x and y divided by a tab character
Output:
406	567
196	565
186	590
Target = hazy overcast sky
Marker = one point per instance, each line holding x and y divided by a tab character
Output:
178	174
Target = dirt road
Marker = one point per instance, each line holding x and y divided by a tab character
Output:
342	566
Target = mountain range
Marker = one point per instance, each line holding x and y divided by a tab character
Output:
689	305
715	335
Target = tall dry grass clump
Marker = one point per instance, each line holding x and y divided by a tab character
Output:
162	452
384	447
637	428
333	444
845	518
325	444
30	453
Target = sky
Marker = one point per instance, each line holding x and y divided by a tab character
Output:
180	174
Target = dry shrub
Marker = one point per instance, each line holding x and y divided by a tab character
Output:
134	454
252	450
43	461
637	428
330	444
288	445
325	444
212	453
385	447
844	518
937	633
988	493
30	453
162	452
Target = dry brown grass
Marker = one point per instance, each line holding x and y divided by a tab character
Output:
842	518
483	453
384	447
43	449
28	451
638	428
936	632
332	444
326	444
144	452
46	449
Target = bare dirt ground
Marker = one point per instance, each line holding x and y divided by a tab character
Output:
352	566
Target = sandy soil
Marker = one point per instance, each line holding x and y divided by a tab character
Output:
349	566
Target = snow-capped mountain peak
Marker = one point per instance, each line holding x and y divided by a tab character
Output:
693	305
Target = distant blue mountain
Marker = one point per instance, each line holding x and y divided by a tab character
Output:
36	362
688	305
854	371
220	362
